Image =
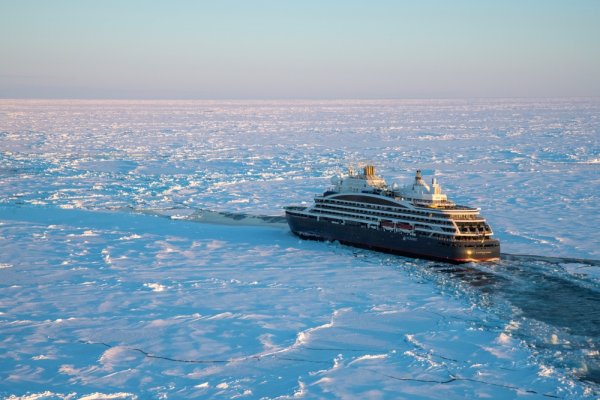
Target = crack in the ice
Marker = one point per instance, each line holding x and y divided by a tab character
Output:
336	349
508	387
453	378
252	357
303	360
429	353
434	355
100	343
149	355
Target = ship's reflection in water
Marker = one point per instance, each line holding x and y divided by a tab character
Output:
555	312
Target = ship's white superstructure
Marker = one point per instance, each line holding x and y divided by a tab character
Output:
417	206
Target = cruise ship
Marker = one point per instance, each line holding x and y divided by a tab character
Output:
416	220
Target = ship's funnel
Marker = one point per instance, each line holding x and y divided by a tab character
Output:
369	170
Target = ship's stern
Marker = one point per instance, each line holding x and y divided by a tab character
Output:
488	250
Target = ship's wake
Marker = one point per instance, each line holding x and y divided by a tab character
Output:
217	217
551	303
208	216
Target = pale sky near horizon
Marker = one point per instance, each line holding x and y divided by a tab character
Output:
269	49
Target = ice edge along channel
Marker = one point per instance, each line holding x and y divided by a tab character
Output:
417	220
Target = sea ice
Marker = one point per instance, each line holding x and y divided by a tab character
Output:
142	253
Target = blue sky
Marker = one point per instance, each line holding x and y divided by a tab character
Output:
299	49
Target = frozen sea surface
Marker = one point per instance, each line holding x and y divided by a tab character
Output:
137	258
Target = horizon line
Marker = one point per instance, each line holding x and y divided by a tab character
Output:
296	98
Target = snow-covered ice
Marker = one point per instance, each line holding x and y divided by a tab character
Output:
142	256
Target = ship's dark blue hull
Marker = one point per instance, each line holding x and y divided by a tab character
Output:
404	243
